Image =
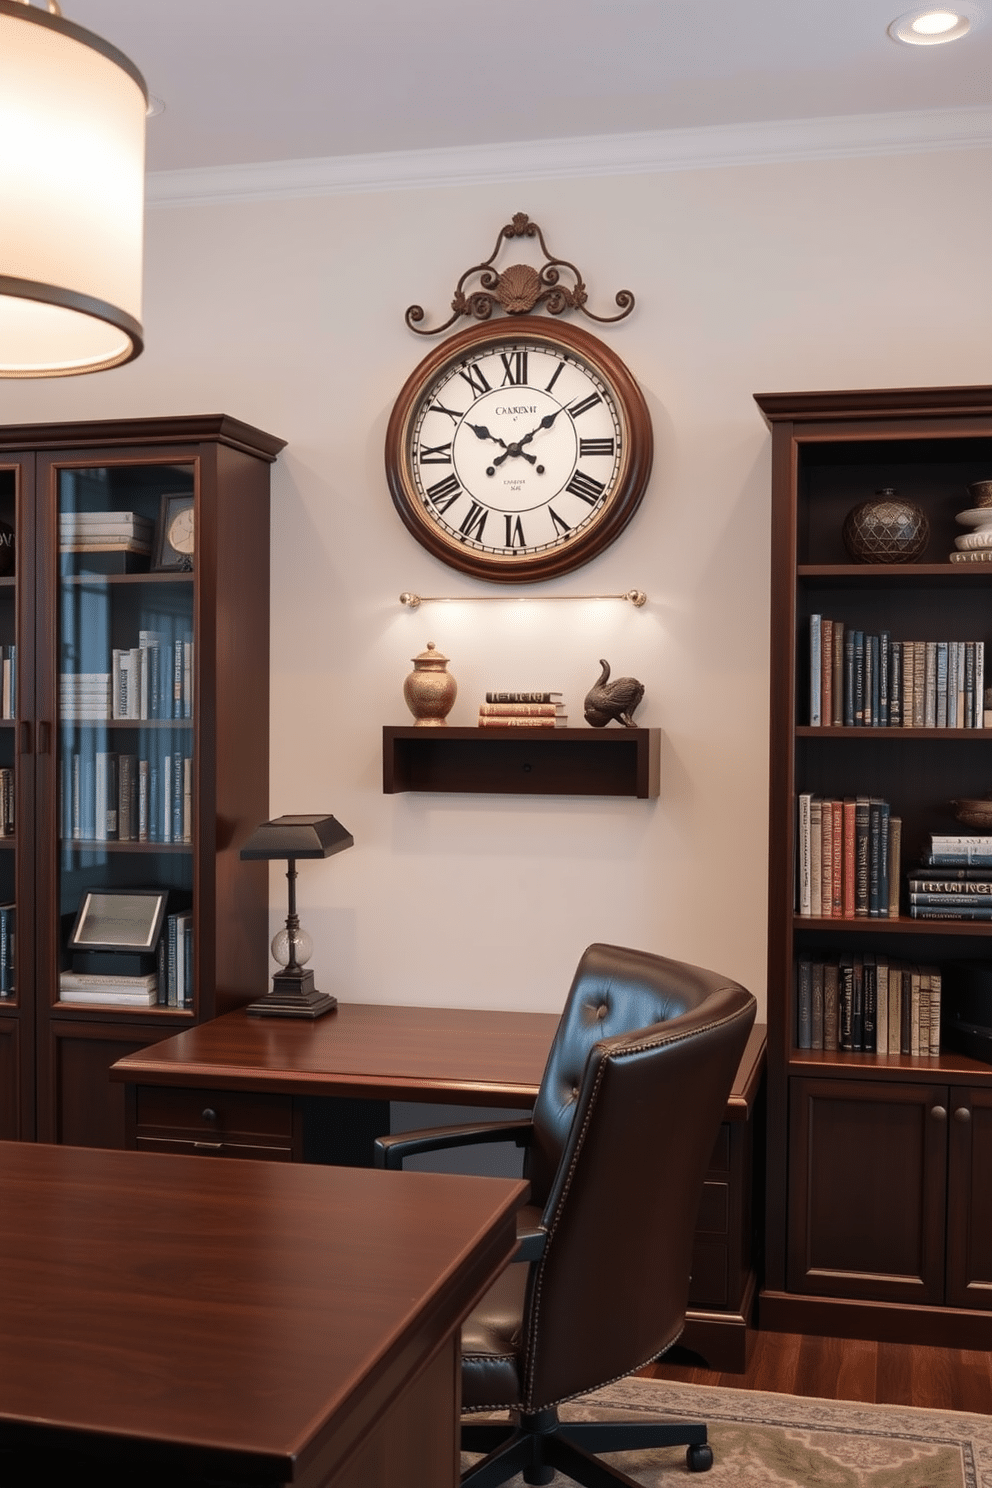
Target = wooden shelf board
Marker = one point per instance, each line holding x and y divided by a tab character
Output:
530	762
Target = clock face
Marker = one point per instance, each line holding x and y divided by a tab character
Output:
181	531
518	451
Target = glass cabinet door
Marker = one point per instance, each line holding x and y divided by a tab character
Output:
125	763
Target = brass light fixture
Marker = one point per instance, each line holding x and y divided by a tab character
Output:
72	119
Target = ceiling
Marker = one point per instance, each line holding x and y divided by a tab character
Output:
246	82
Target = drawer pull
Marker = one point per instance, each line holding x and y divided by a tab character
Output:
209	1114
208	1146
962	1114
938	1113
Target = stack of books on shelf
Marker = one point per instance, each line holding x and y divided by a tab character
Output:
8	684
84	697
107	796
847	858
859	680
542	710
6	950
867	1003
153	679
106	531
954	880
93	988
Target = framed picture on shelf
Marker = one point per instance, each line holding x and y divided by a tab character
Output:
119	920
175	536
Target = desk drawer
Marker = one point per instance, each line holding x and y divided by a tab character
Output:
191	1147
241	1116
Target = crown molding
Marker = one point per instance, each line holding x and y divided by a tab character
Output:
840	137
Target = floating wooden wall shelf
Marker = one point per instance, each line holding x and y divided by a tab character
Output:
522	762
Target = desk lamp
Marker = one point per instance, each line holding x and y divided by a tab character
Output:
293	994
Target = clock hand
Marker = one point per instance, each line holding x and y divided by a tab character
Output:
517	448
481	432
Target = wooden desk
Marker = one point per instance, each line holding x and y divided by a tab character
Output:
168	1321
257	1087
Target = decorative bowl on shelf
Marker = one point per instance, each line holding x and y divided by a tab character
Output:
981	492
886	529
974	812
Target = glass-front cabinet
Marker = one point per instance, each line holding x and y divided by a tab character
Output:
133	750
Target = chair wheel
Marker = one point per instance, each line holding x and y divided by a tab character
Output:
699	1458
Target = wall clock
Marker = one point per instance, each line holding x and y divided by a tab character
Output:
518	450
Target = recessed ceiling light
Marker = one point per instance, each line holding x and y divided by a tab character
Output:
933	25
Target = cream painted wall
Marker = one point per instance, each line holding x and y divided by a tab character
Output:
289	314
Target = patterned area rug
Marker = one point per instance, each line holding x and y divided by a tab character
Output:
761	1440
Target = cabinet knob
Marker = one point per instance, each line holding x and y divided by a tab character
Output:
962	1114
209	1114
939	1113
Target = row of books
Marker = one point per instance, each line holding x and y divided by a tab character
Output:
7	919
153	679
118	797
147	681
872	681
8	681
114	530
523	710
868	1004
847	857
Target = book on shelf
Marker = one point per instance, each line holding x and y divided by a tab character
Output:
7	924
8	694
868	1004
859	679
847	857
7	801
958	851
521	710
523	697
175	960
487	721
117	991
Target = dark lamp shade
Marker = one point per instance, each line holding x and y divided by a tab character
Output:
298	837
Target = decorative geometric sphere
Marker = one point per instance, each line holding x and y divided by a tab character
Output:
886	530
284	940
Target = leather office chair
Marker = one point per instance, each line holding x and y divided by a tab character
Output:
622	1132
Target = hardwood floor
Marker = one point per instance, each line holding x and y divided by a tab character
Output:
852	1369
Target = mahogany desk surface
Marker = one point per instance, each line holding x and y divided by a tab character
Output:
465	1056
246	1320
363	1050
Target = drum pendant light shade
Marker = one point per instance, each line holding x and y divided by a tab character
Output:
72	164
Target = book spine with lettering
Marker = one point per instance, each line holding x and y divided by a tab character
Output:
815	670
869	999
804	1003
942	660
850	857
831	977
881	1004
486	722
826	671
977	716
848	678
884	679
908	680
523	697
862	813
930	684
816	856
895	684
837	855
816	1017
803	863
845	1003
7	915
837	714
859	678
826	858
521	710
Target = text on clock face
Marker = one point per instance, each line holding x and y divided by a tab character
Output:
513	476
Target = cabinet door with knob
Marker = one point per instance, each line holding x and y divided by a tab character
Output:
969	1198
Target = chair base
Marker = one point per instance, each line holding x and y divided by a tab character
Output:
539	1445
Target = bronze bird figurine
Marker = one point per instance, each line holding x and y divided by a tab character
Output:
616	699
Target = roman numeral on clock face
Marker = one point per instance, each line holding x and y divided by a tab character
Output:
474	524
561	526
444	493
436	454
594	447
514	367
586	487
475	379
454	416
514	531
579	408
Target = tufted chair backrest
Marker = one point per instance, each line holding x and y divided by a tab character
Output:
634	1093
615	990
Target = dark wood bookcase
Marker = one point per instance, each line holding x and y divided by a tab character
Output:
879	1216
525	762
67	608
